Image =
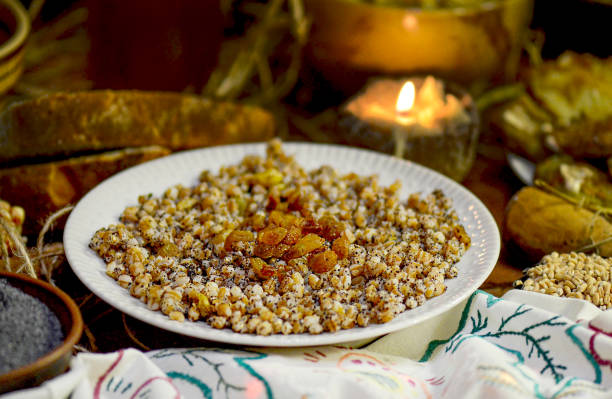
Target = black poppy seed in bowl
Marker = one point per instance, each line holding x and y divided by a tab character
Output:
28	328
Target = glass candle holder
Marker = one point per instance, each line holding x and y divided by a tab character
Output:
439	133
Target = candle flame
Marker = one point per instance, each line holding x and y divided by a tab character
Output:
405	99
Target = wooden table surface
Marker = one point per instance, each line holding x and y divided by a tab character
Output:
492	180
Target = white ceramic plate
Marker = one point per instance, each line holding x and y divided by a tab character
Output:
103	205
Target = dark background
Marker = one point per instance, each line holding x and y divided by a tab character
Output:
134	42
579	25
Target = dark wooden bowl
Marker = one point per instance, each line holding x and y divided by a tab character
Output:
56	361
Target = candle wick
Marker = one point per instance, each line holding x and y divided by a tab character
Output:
399	136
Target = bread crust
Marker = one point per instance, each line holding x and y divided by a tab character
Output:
42	189
63	124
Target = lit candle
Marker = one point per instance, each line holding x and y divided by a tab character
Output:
416	119
405	102
403	108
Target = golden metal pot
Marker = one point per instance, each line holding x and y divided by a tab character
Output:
472	46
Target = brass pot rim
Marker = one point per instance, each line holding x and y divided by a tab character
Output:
485	6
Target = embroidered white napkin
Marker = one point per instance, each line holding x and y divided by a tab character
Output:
524	345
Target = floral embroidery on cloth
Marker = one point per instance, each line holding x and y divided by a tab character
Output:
486	347
499	348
